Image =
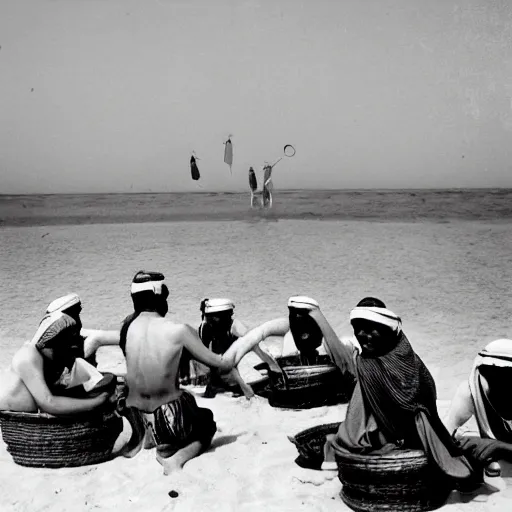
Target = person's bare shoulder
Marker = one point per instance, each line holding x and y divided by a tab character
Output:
178	331
26	356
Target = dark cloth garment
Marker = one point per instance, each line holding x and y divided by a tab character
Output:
194	170
485	450
180	422
500	427
218	342
125	325
394	407
253	183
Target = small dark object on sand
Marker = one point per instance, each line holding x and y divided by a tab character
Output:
173	494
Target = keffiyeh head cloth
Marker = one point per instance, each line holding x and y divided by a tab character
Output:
148	281
302	302
218	305
381	316
63	303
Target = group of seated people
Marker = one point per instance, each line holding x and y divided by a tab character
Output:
393	405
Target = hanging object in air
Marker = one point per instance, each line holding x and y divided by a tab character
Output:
194	170
253	182
228	153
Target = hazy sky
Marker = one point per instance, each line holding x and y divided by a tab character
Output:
107	96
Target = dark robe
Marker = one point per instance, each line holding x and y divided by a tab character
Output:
194	170
394	407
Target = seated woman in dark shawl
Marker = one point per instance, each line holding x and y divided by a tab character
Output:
394	402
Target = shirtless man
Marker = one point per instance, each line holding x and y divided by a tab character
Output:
41	372
152	345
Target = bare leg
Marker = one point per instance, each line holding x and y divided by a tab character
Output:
461	409
134	445
180	458
246	389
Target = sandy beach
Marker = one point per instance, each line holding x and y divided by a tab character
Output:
447	277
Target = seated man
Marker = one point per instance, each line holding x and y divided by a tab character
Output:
49	374
152	345
394	403
485	395
218	331
305	331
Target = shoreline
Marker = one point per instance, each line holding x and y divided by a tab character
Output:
440	206
26	222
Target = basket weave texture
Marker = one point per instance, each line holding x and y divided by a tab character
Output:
304	387
310	443
43	440
400	480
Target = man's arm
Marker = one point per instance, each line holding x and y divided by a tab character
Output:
276	327
28	364
240	330
276	162
96	338
237	350
341	354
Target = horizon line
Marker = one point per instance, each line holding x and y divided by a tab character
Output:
227	192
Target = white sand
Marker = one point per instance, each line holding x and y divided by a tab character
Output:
249	467
449	282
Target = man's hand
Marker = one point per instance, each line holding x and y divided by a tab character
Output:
314	312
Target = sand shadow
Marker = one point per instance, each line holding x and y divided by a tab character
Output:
224	440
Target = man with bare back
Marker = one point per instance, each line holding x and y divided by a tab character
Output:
152	345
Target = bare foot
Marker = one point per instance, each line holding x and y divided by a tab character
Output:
170	465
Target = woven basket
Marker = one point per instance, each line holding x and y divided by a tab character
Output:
310	444
304	387
43	440
401	480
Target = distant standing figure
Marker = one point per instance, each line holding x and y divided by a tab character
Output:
268	186
253	184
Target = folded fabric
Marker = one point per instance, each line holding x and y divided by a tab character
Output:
82	373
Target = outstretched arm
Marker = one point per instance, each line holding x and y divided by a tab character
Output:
237	350
96	338
279	326
29	366
276	162
276	327
341	354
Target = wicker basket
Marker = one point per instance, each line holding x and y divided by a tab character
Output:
401	480
43	440
304	387
310	444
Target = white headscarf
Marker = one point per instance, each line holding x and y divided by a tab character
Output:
381	316
63	303
217	305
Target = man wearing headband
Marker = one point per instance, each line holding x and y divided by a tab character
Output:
49	373
394	402
486	396
218	331
153	345
304	331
